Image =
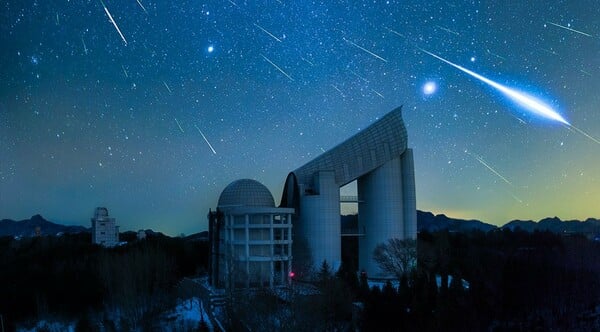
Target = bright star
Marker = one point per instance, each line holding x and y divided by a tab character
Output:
210	49
429	88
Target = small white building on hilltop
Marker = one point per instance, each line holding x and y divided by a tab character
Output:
105	231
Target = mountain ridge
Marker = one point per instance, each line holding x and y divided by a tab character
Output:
426	221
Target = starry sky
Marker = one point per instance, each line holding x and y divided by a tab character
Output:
151	108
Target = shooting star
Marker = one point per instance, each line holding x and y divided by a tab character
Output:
528	102
515	197
306	60
267	32
570	126
178	125
395	32
490	168
448	30
207	142
585	72
276	66
570	29
338	90
357	75
233	3
166	86
85	50
57	19
124	71
377	93
143	8
496	55
364	49
110	18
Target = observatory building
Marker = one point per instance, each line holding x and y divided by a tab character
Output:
250	238
380	161
105	231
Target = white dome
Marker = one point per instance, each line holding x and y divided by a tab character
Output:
246	192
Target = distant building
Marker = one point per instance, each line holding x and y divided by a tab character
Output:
105	231
250	238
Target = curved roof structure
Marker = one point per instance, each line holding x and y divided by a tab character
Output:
246	192
379	143
382	141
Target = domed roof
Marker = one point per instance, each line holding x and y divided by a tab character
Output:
246	192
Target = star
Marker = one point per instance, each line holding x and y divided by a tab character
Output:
429	88
210	48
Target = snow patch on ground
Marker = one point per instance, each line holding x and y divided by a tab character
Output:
49	326
187	315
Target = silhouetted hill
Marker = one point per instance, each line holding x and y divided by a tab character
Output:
27	227
202	236
430	222
555	225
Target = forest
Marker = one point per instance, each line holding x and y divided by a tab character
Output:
501	280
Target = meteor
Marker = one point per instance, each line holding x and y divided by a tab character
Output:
490	168
178	125
143	8
364	49
267	32
207	142
567	28
528	102
276	66
113	22
166	86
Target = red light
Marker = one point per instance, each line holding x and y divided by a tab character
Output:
291	274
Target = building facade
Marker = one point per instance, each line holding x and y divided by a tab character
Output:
380	161
105	231
250	238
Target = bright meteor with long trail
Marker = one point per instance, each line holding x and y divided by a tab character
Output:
110	18
528	102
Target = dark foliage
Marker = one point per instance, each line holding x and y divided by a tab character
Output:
67	276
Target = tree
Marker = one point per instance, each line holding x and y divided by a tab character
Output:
397	257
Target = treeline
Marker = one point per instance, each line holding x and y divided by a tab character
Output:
495	281
69	278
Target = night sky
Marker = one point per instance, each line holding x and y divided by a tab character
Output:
91	118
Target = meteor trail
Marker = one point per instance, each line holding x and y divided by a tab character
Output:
481	161
113	22
528	102
306	60
583	133
124	71
364	49
276	66
567	28
207	142
166	86
267	32
338	90
357	75
395	32
377	93
84	47
178	125
143	8
448	30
